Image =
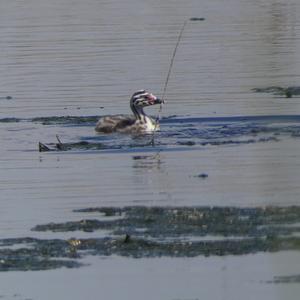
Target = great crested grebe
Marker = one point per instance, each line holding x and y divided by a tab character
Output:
138	123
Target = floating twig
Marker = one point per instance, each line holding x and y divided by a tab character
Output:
60	145
43	148
127	239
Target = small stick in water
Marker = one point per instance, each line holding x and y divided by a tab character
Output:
127	239
43	147
60	145
58	139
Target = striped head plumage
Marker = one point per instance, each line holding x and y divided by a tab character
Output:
142	98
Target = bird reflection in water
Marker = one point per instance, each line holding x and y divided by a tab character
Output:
149	162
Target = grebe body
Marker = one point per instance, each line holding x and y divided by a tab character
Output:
139	122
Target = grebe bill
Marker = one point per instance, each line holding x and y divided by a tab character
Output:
139	122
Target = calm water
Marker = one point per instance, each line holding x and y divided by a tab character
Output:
85	58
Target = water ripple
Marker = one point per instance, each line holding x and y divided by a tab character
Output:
176	132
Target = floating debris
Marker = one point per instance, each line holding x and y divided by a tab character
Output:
127	239
140	157
6	98
197	19
288	93
83	145
187	143
44	148
202	175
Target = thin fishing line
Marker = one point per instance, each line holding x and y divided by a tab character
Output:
167	81
172	60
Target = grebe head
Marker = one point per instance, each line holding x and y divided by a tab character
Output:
143	98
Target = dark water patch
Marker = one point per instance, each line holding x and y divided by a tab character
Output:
296	134
286	279
140	157
239	142
277	90
174	123
10	120
177	121
232	119
187	133
5	97
201	176
197	19
147	161
228	130
67	120
186	143
287	92
175	132
57	120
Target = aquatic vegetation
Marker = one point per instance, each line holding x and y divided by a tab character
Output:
182	231
35	254
186	221
139	231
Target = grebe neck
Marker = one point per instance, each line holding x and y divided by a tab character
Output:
138	112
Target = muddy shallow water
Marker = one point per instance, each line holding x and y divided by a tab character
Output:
225	164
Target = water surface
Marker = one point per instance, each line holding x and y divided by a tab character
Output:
221	143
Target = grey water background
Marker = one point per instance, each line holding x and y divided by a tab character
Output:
85	58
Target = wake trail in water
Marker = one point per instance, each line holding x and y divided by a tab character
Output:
176	132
